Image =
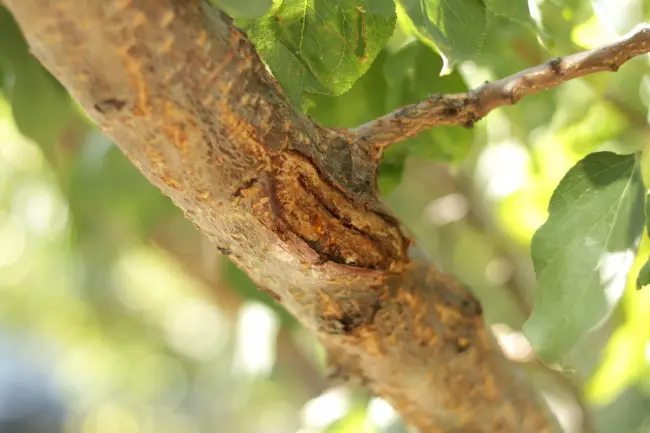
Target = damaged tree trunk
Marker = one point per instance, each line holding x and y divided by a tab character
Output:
183	93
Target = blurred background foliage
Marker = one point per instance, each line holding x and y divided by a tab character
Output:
116	315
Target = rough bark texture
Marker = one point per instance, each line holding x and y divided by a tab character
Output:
183	93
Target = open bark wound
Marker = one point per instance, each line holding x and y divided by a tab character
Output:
329	222
185	96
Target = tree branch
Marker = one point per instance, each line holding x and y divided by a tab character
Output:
469	107
183	93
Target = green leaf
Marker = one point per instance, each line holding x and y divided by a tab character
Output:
457	28
516	10
647	212
362	103
12	43
408	74
643	279
391	170
247	9
322	46
40	105
582	254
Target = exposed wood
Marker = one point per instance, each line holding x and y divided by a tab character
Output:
185	96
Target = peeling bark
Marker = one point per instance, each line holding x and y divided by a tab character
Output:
183	93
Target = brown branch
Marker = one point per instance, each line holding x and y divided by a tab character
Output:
185	96
469	107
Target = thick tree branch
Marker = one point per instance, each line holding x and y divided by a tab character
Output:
185	96
469	107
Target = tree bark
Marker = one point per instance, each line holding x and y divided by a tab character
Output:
183	93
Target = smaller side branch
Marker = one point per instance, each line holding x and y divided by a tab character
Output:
468	107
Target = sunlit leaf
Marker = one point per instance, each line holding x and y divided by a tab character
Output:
244	8
583	252
362	103
457	28
319	46
516	10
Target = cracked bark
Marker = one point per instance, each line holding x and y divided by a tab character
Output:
183	93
